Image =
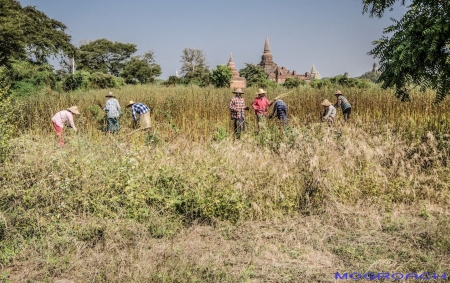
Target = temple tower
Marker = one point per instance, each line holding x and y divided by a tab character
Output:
232	67
375	66
267	62
236	80
314	74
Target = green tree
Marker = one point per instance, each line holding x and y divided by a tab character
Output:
195	67
254	75
293	83
104	56
27	33
371	76
7	127
221	77
141	69
417	52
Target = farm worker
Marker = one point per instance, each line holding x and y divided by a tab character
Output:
237	107
61	118
344	104
280	109
144	113
260	105
112	109
329	112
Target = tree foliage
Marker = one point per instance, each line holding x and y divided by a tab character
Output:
26	32
104	56
254	75
141	69
221	77
417	52
195	67
293	83
371	76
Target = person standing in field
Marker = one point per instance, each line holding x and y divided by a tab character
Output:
260	105
280	108
329	112
112	109
237	107
144	114
61	118
344	104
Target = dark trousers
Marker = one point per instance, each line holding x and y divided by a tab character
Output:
347	113
238	127
112	125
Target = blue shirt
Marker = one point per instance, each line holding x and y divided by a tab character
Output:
281	109
139	108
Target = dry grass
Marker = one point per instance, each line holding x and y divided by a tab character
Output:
186	203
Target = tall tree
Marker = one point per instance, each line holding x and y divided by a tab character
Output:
417	52
104	56
28	33
221	77
254	75
195	67
141	69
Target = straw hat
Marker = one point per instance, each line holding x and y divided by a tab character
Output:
238	90
338	92
130	103
110	94
325	103
74	110
261	91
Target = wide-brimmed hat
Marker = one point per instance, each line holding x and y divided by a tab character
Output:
325	102
130	103
261	91
338	92
74	110
110	94
238	90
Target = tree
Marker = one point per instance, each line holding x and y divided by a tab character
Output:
371	76
195	67
417	53
221	77
29	33
104	56
141	69
293	83
254	75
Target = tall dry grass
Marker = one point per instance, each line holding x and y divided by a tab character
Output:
184	202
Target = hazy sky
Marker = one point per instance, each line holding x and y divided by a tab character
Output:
331	34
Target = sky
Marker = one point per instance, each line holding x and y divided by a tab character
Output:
333	35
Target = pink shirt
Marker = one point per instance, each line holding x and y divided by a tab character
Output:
62	117
260	105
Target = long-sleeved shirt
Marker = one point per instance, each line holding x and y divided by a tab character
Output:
281	109
139	108
112	108
329	111
260	105
237	107
62	117
343	102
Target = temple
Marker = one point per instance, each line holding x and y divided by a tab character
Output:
236	80
280	74
375	67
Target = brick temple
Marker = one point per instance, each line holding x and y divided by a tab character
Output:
236	80
280	74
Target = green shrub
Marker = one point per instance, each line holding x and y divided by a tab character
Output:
80	80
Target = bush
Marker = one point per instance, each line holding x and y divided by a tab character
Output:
30	78
293	83
100	80
80	80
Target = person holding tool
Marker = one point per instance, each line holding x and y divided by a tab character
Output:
112	109
237	107
144	113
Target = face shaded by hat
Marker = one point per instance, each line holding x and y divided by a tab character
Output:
110	94
238	91
261	92
130	103
338	92
325	103
74	110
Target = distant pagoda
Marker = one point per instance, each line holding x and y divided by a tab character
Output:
315	74
236	80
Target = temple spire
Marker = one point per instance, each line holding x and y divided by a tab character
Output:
266	45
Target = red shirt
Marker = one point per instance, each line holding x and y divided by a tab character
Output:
260	105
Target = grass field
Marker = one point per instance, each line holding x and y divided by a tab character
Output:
185	202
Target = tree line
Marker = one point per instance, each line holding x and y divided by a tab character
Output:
413	53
